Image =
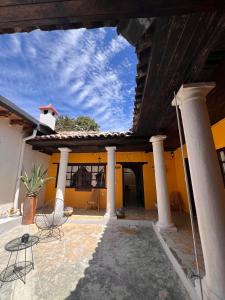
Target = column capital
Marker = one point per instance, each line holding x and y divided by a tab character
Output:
192	91
157	138
110	148
65	149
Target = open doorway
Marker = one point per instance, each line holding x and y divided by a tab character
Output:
133	191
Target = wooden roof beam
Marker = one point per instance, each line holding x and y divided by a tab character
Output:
5	113
143	46
26	15
176	37
17	122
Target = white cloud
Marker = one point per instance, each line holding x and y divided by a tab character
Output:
80	71
76	86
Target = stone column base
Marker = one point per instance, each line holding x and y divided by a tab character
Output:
166	228
110	216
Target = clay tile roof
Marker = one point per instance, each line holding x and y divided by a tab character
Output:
67	135
49	107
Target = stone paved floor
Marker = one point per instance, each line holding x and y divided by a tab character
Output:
96	261
180	243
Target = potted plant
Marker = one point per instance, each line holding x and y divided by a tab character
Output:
33	184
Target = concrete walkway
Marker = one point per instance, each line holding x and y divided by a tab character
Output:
123	260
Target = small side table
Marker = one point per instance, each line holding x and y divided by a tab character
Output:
19	269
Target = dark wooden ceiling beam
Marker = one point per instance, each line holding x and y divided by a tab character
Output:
180	49
5	113
24	15
216	99
94	148
87	142
27	127
16	122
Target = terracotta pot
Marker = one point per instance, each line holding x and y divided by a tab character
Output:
29	210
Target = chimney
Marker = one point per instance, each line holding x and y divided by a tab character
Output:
48	116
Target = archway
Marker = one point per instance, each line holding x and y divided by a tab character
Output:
133	192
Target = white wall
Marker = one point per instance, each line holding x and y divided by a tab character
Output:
10	144
48	119
37	158
11	138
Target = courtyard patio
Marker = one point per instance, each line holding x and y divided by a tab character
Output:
180	243
121	259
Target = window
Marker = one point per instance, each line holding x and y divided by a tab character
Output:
83	176
221	157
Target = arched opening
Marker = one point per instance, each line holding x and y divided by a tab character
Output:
133	192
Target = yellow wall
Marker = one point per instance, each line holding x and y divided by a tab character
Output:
218	131
174	171
77	198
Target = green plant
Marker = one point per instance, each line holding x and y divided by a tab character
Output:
81	123
35	181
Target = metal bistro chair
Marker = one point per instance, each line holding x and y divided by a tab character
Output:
50	225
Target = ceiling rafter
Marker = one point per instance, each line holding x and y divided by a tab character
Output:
5	113
27	15
180	49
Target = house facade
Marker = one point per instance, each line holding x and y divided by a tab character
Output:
16	127
128	164
181	54
134	163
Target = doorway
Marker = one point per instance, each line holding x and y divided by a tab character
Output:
190	187
133	190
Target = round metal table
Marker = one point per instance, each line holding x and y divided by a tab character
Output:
19	269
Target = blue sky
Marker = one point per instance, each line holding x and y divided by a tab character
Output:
81	72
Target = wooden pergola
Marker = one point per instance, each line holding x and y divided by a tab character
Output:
87	143
184	42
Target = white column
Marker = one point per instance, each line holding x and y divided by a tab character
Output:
110	201
61	183
163	204
207	184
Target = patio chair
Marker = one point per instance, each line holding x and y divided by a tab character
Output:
50	225
94	199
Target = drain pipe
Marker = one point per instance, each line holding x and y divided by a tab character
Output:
17	187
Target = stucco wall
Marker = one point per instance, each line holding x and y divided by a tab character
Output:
39	159
10	144
77	198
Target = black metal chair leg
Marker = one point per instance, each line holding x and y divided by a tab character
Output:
25	265
17	253
31	248
6	267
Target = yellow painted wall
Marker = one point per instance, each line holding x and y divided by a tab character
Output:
218	131
77	198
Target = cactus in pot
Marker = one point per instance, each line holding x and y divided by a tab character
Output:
33	184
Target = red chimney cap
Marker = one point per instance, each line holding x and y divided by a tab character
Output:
49	107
